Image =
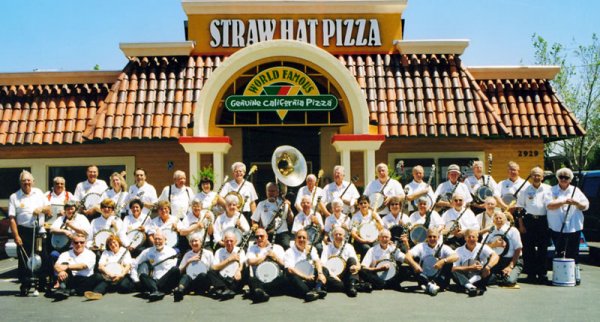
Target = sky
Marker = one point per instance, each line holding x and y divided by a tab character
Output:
73	35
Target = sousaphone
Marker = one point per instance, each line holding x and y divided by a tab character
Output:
289	166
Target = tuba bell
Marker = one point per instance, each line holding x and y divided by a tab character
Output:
289	166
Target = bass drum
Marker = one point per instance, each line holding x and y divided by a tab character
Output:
267	271
390	272
196	268
336	265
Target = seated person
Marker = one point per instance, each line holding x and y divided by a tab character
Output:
157	268
474	265
505	240
194	267
339	252
380	265
114	267
75	269
225	274
306	277
267	257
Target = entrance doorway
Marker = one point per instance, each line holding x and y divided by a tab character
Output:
258	146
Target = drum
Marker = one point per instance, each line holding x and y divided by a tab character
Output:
387	274
112	269
427	265
100	238
267	271
368	231
418	234
171	236
563	272
314	234
336	265
229	270
238	234
196	268
482	193
136	238
376	201
305	267
60	241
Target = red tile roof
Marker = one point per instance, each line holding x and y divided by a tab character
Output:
408	95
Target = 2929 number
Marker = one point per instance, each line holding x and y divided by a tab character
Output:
528	153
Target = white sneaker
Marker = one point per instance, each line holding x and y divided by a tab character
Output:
35	293
470	287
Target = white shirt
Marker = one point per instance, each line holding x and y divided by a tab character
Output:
79	220
21	206
302	220
222	254
86	257
305	192
414	186
159	224
435	220
330	250
109	257
84	187
467	221
421	250
489	220
473	184
265	210
146	193
393	188
207	258
254	252
376	254
206	199
509	187
575	216
513	236
131	223
359	219
119	198
447	186
102	223
389	220
223	222
464	254
246	191
191	219
293	255
332	222
58	201
534	200
333	191
153	256
180	199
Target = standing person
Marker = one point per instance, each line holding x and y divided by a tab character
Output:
309	286
24	208
473	275
157	268
453	185
197	255
92	184
58	196
478	179
510	185
565	216
532	202
309	190
75	269
118	193
259	253
245	187
275	215
418	188
178	194
111	281
143	190
338	187
385	186
207	197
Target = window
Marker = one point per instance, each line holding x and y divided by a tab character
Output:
76	174
441	160
10	181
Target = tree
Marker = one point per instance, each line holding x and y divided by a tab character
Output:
579	86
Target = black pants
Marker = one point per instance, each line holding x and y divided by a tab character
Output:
379	284
80	283
275	287
346	281
361	249
535	245
124	286
24	272
199	285
283	239
165	284
442	278
219	282
572	244
299	287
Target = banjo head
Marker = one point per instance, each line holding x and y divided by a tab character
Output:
267	271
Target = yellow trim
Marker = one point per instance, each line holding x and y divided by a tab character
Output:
183	48
39	167
433	46
47	78
514	72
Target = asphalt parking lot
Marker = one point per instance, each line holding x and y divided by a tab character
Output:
530	302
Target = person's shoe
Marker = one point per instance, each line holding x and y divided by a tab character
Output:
156	296
364	287
35	293
480	292
227	295
23	290
260	296
322	293
432	289
352	292
178	294
531	279
215	293
92	295
311	296
61	294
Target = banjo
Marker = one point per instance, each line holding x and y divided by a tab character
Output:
230	270
430	203
268	270
474	260
377	199
392	268
198	267
114	268
239	235
336	264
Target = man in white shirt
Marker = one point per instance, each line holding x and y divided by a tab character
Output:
192	277
336	252
68	225
225	274
382	189
306	283
473	268
143	190
245	187
91	185
309	190
448	188
505	240
263	253
58	196
457	220
75	269
510	186
157	268
275	215
178	194
342	189
479	179
381	264
418	188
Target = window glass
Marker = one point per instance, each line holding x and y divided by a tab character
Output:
10	181
75	174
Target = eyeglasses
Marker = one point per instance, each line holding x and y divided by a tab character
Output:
260	236
107	207
300	237
458	200
78	242
394	204
564	177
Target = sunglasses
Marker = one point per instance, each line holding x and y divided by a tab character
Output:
107	207
395	204
458	200
564	177
78	242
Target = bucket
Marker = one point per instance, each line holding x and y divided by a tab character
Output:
563	272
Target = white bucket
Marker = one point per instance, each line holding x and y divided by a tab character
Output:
563	272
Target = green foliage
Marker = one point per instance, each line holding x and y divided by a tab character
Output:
96	67
207	172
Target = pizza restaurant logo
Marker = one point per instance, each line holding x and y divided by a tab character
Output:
281	89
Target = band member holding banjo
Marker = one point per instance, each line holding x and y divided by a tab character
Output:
114	267
225	274
509	186
199	220
68	225
337	219
305	274
274	214
486	218
104	226
342	189
397	222
231	218
340	259
565	215
136	226
532	202
209	198
75	269
265	261
380	265
447	188
309	190
194	268
382	189
157	268
478	180
458	219
143	190
178	194
27	209
166	223
307	219
118	193
419	217
241	187
58	196
418	188
474	265
505	240
434	269
91	185
366	224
